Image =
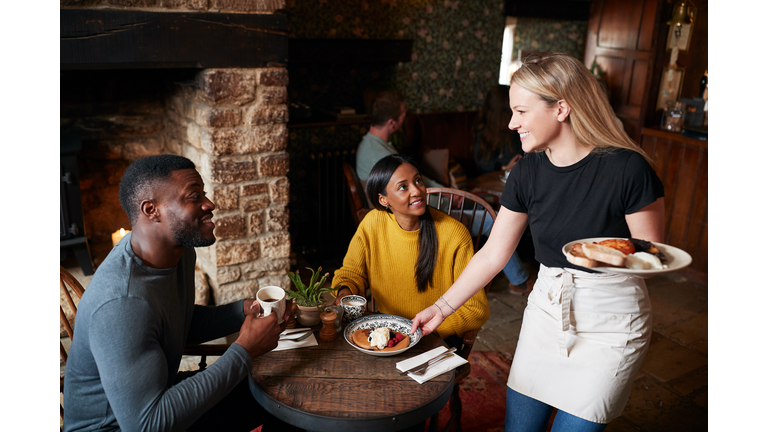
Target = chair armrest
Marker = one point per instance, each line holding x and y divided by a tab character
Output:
467	342
462	372
361	213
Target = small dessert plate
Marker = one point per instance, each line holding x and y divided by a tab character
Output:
392	322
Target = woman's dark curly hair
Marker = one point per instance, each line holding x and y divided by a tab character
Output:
141	176
377	182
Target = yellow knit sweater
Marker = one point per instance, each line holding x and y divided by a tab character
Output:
383	256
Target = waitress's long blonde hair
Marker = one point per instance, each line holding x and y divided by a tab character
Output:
556	76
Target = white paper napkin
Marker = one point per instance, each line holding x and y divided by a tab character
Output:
290	344
446	365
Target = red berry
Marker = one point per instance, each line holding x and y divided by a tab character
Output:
391	343
399	337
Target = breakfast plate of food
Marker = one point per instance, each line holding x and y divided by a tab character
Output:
626	256
381	335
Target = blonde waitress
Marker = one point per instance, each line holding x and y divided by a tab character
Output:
584	334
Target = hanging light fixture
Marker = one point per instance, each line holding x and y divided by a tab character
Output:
682	13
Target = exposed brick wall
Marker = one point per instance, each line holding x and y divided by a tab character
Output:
240	154
232	124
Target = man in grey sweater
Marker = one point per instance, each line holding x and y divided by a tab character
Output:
138	313
387	117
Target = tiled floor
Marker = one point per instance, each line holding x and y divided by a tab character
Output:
670	393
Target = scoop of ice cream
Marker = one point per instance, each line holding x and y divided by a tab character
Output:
378	338
643	261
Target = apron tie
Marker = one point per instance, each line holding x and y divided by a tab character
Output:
560	293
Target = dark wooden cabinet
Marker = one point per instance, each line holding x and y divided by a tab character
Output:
627	39
681	163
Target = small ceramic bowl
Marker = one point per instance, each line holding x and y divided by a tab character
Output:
354	306
392	322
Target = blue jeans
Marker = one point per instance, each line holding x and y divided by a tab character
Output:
525	414
514	270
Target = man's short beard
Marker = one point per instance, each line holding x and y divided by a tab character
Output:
188	235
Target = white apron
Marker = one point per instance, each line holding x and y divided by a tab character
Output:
583	338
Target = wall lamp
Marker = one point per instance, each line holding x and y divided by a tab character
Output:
682	13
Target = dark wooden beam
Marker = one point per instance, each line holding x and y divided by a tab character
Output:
350	50
127	39
576	10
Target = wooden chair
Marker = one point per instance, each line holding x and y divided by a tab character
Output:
357	200
466	208
67	280
463	206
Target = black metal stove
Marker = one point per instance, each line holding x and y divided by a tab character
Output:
72	231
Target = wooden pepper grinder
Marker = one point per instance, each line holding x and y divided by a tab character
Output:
328	332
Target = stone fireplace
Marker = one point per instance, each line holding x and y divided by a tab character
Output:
230	121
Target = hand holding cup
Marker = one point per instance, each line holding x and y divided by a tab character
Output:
272	299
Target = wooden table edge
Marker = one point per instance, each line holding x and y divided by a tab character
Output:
315	422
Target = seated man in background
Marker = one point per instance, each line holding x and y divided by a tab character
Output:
138	313
387	117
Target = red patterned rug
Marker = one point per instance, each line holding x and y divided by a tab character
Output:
483	394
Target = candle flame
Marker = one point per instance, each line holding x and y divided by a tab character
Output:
122	232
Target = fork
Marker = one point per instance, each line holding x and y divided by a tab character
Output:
422	371
298	339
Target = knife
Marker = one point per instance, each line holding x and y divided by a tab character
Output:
430	362
295	336
294	330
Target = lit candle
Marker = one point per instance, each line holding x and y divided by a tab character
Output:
118	235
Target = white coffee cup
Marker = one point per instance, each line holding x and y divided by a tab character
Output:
272	299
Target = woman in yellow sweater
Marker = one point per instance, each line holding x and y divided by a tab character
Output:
407	253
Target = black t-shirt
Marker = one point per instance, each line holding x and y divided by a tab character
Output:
587	199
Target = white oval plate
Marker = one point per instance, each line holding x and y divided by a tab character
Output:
676	259
392	322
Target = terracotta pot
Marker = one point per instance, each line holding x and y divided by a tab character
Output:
308	316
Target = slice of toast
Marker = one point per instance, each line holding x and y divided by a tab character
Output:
604	254
576	256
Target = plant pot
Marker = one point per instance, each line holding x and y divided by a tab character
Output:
308	316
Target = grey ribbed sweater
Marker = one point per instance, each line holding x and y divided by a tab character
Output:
131	328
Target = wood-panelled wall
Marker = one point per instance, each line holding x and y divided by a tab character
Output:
681	163
620	37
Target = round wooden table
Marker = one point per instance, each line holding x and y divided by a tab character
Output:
335	387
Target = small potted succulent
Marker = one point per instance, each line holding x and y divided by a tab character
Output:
309	298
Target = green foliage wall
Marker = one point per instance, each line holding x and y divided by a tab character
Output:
456	58
456	50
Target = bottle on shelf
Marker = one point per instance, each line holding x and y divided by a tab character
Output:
664	114
675	118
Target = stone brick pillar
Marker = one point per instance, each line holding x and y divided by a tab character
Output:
232	124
